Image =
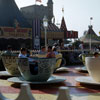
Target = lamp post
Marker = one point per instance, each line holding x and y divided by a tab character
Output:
90	33
45	25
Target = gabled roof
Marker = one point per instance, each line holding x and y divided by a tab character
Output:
90	36
9	12
52	28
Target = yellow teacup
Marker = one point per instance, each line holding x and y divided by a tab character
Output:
58	56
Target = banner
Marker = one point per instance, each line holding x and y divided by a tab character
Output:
11	32
71	34
36	34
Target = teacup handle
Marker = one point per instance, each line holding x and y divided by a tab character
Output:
62	60
80	57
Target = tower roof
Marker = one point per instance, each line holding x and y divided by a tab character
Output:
63	25
50	2
9	12
90	34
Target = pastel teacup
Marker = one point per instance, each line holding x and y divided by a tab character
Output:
10	64
59	59
93	67
83	56
45	69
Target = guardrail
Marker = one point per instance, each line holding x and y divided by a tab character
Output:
17	51
87	50
36	51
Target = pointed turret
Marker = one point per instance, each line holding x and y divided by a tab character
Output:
9	12
50	10
63	25
50	2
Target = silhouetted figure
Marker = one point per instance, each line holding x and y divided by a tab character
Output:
50	53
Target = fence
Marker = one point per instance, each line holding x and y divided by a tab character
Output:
17	52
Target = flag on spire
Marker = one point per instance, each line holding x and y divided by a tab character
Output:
63	9
91	18
38	1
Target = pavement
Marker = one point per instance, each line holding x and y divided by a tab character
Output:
51	91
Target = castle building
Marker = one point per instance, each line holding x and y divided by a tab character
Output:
38	11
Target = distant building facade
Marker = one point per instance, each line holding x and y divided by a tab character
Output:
16	25
38	11
68	34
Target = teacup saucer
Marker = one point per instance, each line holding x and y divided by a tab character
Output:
86	80
81	69
52	79
62	69
4	73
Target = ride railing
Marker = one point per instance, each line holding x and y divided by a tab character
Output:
17	51
75	50
37	51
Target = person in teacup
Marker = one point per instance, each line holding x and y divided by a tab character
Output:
8	51
96	54
55	50
23	53
32	62
43	50
50	53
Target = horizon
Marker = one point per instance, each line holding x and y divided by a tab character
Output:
77	14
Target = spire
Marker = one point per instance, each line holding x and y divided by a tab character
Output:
50	2
63	25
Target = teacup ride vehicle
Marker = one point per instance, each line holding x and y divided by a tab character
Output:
43	74
83	55
58	64
2	68
45	68
82	59
93	67
10	64
20	67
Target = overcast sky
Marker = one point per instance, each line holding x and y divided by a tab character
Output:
77	13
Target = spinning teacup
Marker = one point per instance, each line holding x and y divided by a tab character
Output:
58	61
10	64
45	68
93	67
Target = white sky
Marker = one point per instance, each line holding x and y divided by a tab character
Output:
77	13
